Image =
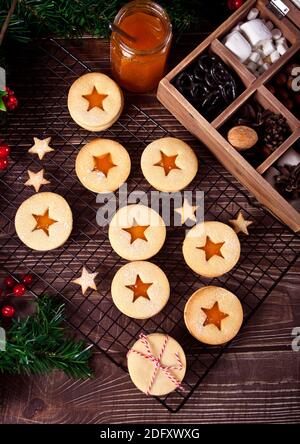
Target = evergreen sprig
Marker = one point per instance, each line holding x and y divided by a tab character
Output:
38	344
65	18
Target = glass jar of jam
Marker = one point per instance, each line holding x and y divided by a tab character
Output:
139	65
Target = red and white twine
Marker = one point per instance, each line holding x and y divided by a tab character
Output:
167	369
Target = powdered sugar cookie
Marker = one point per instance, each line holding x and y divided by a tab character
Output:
95	101
213	315
211	249
137	232
169	164
140	289
102	165
44	221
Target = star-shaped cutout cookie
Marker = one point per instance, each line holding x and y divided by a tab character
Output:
95	99
41	147
211	248
139	289
214	315
43	222
86	280
137	231
103	164
36	180
168	163
187	211
240	224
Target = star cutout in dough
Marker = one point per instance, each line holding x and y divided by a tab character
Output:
95	99
41	147
168	163
139	289
211	249
43	222
187	211
137	231
240	224
36	180
214	315
103	164
86	280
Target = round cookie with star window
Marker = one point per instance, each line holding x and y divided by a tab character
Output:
136	232
102	165
95	101
140	289
44	221
169	164
211	248
213	315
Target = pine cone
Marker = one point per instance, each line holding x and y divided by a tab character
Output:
288	180
275	131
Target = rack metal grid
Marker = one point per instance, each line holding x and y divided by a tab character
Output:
267	254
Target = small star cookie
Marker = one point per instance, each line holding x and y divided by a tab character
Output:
41	147
187	211
86	280
36	180
240	224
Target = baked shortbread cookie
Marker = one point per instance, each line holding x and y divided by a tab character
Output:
102	165
44	221
95	101
213	315
211	248
142	369
169	164
136	232
140	289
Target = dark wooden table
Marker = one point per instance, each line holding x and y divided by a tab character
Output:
257	381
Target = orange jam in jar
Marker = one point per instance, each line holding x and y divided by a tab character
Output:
139	65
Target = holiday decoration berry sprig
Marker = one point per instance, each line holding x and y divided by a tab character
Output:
38	343
13	288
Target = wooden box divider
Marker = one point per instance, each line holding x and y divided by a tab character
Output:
209	133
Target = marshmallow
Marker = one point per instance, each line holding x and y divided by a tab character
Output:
252	66
276	33
274	56
254	57
268	48
260	62
282	48
269	25
253	13
281	40
256	32
263	68
237	44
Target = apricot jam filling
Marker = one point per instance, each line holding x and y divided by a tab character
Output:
214	316
103	164
137	231
212	249
168	163
95	99
43	222
139	289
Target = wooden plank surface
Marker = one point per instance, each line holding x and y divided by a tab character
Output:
257	381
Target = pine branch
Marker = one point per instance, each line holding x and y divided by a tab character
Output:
65	18
37	344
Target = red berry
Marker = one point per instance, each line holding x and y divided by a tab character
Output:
4	150
19	290
233	5
27	279
11	102
3	163
8	311
9	91
9	282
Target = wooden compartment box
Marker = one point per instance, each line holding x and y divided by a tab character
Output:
210	132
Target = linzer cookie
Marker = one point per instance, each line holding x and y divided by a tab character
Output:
213	315
169	164
44	221
211	249
156	364
137	232
95	101
140	289
102	165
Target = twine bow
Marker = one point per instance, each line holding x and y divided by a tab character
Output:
167	369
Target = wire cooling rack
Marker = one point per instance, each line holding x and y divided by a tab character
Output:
42	76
